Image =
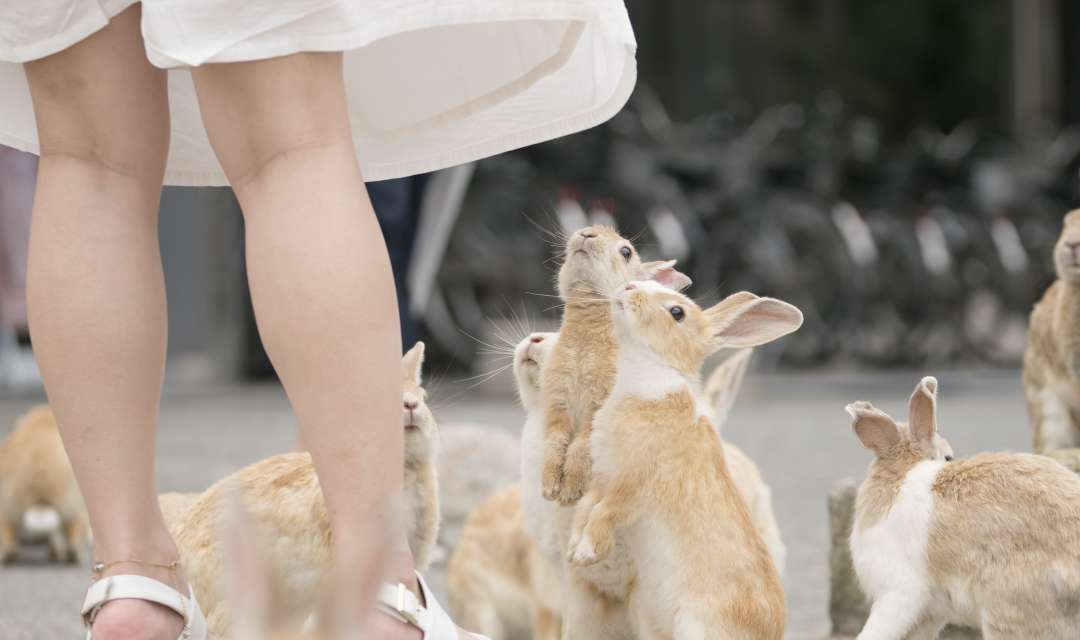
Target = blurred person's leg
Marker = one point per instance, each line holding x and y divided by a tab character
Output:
18	172
319	273
96	294
397	207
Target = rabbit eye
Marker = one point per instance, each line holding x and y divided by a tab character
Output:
948	458
677	313
626	253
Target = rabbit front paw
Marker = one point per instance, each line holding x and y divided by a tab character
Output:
551	479
583	552
575	478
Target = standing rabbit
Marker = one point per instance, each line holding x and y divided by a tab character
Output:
992	540
1052	357
505	572
660	479
36	477
581	368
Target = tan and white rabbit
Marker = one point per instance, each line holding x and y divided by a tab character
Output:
992	540
499	584
581	367
257	591
505	572
721	389
1052	358
35	477
660	479
284	497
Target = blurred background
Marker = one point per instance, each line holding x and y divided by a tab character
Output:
898	170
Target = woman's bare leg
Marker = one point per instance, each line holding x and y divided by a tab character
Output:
96	294
319	274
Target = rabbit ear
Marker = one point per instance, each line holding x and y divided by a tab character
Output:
724	383
412	363
732	302
247	576
663	271
364	558
744	320
922	411
875	429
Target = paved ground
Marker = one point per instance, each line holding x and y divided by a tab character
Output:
792	425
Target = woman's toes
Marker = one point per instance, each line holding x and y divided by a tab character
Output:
136	620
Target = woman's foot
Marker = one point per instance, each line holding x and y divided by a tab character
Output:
132	619
136	620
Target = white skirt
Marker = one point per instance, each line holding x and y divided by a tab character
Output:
431	83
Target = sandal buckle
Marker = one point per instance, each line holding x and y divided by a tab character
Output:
406	612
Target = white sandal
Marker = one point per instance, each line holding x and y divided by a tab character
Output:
136	587
398	602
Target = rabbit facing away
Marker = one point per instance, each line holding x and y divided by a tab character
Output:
660	481
36	477
283	497
581	369
1052	357
989	541
499	583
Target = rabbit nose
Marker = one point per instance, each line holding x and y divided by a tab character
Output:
1071	246
588	234
536	339
411	404
631	286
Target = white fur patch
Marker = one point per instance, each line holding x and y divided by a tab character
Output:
585	551
40	521
639	373
890	556
688	627
1057	427
542	519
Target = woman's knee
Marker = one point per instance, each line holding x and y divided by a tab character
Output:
261	112
79	116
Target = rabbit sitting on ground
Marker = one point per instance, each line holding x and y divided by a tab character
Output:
992	540
284	497
36	478
504	573
499	583
660	478
1052	357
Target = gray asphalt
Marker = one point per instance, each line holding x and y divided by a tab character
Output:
793	425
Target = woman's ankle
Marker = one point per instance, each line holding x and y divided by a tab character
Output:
156	559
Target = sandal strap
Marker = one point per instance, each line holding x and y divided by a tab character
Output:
397	601
136	587
400	603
